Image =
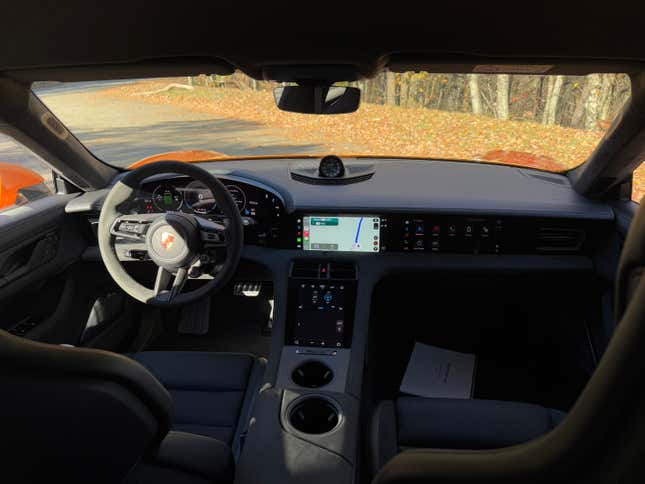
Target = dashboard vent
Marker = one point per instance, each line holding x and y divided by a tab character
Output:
559	239
316	270
330	181
305	269
342	270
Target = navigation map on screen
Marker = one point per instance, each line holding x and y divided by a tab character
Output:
341	233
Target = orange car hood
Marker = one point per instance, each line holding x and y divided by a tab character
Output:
12	179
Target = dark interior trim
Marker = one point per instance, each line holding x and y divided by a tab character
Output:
149	68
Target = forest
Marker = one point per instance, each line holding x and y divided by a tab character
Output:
583	102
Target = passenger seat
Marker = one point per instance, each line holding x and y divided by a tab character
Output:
213	393
446	423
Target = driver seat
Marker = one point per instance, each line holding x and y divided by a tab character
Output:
85	415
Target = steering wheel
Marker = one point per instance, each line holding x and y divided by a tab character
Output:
176	242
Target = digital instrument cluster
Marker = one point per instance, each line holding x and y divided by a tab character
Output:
188	196
261	210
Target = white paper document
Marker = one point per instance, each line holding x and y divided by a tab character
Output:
439	373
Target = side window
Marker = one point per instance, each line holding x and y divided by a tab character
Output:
638	183
24	176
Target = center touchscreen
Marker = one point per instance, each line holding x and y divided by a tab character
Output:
359	233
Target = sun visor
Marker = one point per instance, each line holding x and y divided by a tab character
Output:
170	67
447	64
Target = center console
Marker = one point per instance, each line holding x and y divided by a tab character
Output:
318	416
319	325
317	424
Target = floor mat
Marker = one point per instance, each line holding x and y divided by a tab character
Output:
195	318
235	325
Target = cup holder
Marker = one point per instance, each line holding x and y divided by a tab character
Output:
314	415
312	374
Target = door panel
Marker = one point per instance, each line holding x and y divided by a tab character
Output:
42	291
36	241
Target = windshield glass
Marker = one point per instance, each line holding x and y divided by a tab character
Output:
547	122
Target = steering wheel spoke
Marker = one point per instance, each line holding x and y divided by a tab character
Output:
165	279
132	227
213	234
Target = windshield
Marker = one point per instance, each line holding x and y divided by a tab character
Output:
547	122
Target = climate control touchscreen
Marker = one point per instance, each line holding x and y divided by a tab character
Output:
320	315
341	233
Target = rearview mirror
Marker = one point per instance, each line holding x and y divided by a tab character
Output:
317	99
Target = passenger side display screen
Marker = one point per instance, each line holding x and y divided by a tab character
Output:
360	233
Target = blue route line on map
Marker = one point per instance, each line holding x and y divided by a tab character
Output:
358	231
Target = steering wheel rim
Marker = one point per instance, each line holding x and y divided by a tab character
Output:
182	227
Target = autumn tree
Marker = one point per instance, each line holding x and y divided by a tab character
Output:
593	102
390	88
552	99
475	98
503	90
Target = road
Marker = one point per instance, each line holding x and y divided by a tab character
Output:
123	131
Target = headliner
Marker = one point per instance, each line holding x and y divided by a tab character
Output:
37	33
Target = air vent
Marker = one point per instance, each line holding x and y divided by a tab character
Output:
560	239
330	181
305	269
342	270
325	270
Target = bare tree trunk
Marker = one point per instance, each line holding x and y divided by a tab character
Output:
551	108
593	102
364	94
430	96
413	90
579	112
404	90
475	97
605	98
390	88
503	89
549	90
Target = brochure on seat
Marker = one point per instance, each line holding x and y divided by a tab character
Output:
439	373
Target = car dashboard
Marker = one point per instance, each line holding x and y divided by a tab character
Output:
279	211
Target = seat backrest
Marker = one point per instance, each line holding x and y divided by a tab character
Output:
75	415
600	440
